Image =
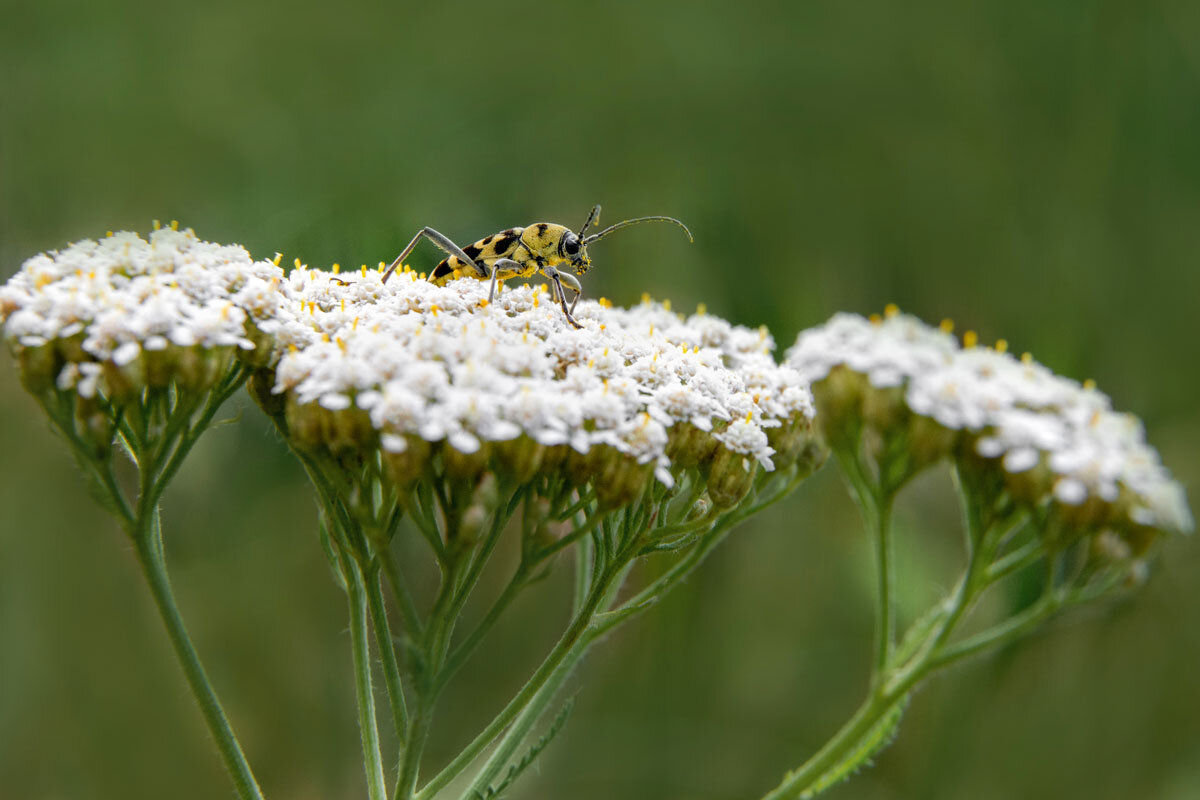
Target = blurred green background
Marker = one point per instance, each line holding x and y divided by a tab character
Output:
1030	169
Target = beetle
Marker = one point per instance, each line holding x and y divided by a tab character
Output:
521	253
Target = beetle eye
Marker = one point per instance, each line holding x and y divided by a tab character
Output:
571	244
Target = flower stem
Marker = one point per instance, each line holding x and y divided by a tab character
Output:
148	546
401	593
522	713
230	384
560	654
887	581
460	654
387	653
529	716
373	763
799	782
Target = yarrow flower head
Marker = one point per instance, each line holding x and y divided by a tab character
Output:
126	328
124	313
635	393
1050	439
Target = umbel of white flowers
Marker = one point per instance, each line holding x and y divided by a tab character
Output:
634	394
1050	441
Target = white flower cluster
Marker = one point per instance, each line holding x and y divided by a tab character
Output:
441	364
1017	410
116	301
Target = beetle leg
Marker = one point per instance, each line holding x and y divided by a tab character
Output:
444	243
572	282
557	277
508	267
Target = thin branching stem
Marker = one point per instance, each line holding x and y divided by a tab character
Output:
148	547
459	655
387	652
364	694
404	600
572	638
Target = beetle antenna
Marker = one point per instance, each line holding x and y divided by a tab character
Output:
635	221
592	217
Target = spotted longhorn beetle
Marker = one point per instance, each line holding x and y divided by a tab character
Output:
522	253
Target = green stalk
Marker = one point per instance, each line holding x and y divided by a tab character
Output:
372	762
868	715
528	717
436	635
395	578
1003	633
885	636
387	653
561	652
218	397
460	654
148	546
582	576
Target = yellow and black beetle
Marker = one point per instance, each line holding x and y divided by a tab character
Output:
521	253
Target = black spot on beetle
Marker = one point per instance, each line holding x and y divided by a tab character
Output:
472	251
503	242
541	228
487	241
442	270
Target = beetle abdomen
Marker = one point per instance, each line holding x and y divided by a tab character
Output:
484	251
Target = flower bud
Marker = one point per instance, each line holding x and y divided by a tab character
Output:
347	429
303	423
554	458
1083	516
839	401
160	366
199	368
884	409
465	466
487	493
259	386
126	381
406	457
470	525
1029	487
71	348
1107	547
619	480
730	478
260	356
928	441
811	457
39	367
688	446
789	440
579	468
518	459
543	531
95	425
